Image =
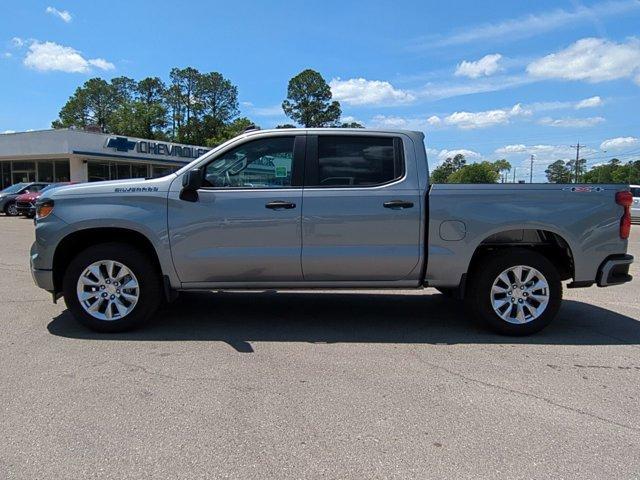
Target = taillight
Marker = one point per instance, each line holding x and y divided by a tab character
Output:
625	199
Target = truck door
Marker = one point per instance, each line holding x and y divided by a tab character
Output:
244	225
361	209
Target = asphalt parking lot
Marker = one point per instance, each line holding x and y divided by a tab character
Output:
316	385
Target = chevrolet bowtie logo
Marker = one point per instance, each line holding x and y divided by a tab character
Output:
121	144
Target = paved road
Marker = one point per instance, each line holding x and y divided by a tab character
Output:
297	385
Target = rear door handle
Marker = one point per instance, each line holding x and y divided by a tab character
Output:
397	204
279	205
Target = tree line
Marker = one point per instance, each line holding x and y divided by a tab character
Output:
456	170
614	171
194	107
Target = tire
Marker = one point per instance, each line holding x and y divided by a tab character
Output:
10	209
120	309
517	309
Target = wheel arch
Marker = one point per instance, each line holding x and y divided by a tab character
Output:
546	242
77	241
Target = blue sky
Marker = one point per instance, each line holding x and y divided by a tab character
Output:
501	81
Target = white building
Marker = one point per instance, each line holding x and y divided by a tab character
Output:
80	156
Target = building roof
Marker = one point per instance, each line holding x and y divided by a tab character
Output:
80	142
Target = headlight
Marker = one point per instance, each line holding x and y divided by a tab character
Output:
44	209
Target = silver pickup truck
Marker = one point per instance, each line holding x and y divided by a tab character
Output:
326	209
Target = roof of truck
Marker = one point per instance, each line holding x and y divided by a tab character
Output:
338	130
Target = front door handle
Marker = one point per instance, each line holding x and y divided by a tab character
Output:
279	205
397	204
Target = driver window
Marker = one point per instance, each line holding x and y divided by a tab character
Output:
264	163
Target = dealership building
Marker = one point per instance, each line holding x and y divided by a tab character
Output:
64	155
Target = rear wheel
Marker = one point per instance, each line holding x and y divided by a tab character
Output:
515	292
11	210
112	287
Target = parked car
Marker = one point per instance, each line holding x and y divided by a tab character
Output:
8	195
330	209
26	203
635	208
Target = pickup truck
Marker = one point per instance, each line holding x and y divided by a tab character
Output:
326	209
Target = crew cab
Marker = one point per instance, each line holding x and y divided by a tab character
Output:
330	209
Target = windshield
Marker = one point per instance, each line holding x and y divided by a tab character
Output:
635	191
14	188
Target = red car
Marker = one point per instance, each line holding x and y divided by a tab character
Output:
26	203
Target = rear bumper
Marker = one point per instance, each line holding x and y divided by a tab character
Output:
614	270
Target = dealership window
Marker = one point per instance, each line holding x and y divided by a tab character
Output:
98	171
62	172
45	171
162	170
139	170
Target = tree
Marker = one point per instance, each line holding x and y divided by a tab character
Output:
484	172
94	103
557	172
351	125
502	167
309	102
233	129
142	111
602	173
451	165
577	172
217	100
627	173
286	125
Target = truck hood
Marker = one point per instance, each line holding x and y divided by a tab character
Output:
113	187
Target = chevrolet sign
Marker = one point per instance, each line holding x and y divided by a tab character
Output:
123	144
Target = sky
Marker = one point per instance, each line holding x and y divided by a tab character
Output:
492	80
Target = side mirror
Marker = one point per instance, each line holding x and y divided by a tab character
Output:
191	182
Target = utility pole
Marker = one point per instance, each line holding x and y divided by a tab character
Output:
531	171
514	174
577	147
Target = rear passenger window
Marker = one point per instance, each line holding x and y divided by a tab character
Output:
358	161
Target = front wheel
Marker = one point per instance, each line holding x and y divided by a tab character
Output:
11	209
112	287
515	292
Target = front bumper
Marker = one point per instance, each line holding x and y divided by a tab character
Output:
43	278
614	270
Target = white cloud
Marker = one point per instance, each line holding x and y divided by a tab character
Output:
619	143
360	91
434	120
438	91
488	118
589	102
17	42
530	25
101	63
8	131
543	153
63	15
7	55
571	122
487	65
590	59
468	154
49	56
